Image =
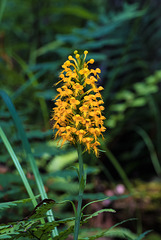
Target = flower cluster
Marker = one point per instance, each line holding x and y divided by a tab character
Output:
78	112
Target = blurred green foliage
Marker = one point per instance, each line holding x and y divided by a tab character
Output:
124	39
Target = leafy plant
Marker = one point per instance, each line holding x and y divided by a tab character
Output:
124	39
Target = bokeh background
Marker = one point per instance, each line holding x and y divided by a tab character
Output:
124	38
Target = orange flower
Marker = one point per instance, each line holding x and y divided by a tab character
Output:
77	119
80	133
77	113
74	102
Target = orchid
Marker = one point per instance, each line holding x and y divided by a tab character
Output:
78	112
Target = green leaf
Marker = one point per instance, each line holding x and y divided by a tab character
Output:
9	178
151	80
101	43
105	232
45	149
18	166
26	85
100	200
63	185
15	203
139	102
38	134
114	233
142	235
125	95
77	11
7	205
143	89
51	46
94	196
151	148
46	94
157	75
4	236
65	173
98	212
59	162
64	234
121	107
121	233
45	66
40	210
13	191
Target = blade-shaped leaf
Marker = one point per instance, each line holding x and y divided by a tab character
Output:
100	211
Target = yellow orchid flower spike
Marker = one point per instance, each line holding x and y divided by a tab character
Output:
77	114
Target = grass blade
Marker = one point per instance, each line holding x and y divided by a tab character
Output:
150	146
28	152
18	166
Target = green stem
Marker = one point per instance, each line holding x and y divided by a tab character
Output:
81	190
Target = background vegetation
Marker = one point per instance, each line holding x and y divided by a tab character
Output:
124	39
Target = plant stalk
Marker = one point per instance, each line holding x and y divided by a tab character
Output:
81	190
